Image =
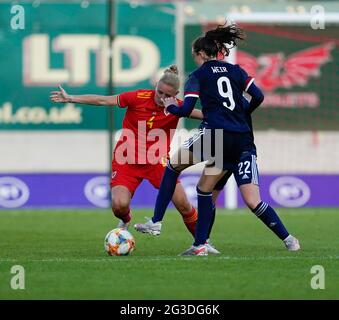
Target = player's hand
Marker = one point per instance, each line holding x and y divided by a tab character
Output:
170	101
60	96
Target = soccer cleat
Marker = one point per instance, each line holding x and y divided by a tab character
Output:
211	248
292	243
153	228
196	251
123	225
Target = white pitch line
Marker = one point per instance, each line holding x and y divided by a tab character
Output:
137	259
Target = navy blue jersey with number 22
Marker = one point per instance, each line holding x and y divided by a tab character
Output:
220	87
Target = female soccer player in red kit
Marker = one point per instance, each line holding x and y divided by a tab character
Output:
134	156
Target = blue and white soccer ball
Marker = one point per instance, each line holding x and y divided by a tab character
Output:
119	242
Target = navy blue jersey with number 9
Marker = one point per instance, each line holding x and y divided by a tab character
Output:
220	86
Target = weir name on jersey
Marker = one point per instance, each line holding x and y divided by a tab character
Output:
219	69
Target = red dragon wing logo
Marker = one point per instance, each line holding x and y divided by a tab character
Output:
297	68
302	65
247	62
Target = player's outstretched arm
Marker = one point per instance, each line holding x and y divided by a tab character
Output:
93	99
196	114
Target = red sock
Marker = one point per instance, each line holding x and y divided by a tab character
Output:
125	216
190	220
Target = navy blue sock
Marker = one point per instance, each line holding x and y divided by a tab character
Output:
268	216
212	221
205	208
166	190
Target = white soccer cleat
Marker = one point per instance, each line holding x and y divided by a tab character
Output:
196	251
123	225
153	228
292	243
211	248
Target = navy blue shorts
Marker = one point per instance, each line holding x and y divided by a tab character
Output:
246	171
227	147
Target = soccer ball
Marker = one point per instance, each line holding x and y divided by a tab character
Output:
119	242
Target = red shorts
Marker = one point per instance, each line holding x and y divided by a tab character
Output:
131	175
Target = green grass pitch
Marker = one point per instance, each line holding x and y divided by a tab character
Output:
62	254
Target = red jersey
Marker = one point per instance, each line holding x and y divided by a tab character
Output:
147	130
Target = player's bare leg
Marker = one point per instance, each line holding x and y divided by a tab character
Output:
215	195
121	199
181	160
251	194
187	211
208	180
180	200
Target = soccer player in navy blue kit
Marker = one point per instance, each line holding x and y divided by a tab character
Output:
220	87
247	178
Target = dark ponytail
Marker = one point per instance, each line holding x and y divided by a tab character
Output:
215	40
